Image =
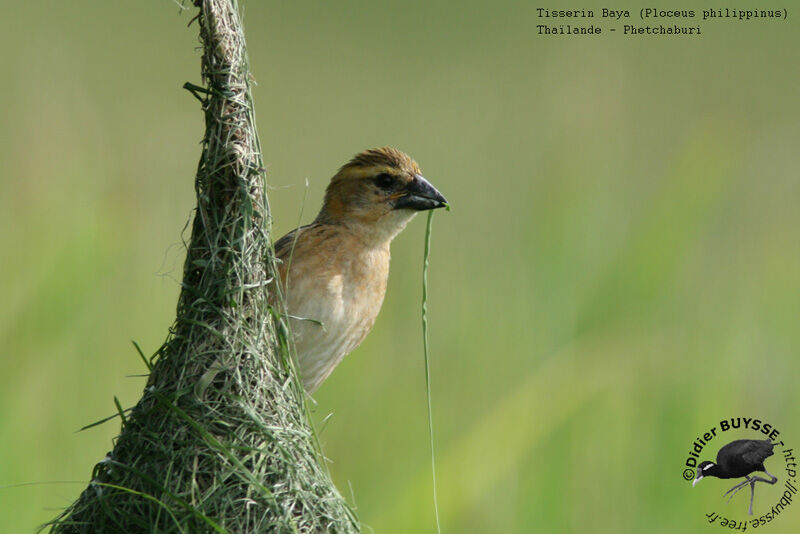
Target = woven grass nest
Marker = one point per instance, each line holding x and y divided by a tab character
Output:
220	440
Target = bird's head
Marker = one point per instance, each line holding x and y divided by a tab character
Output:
705	468
378	191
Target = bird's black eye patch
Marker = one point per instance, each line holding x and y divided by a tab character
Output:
385	180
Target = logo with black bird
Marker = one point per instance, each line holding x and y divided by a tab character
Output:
737	459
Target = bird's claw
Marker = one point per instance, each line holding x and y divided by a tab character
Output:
736	488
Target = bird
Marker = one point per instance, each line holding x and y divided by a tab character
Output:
333	272
737	459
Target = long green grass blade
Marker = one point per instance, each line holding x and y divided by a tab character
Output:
427	361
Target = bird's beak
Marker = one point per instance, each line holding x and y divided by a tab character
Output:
420	195
696	480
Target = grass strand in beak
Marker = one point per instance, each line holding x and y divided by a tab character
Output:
427	359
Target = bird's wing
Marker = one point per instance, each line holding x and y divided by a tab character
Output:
744	452
297	243
284	245
758	451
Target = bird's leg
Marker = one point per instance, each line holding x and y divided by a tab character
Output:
760	479
752	480
737	487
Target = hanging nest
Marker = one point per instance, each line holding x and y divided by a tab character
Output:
220	440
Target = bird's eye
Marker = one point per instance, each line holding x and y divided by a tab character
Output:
384	180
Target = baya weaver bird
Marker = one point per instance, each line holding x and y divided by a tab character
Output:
334	270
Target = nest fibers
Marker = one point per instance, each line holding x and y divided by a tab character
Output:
220	440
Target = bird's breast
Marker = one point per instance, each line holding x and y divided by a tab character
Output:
333	297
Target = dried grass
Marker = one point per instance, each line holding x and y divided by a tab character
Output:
220	440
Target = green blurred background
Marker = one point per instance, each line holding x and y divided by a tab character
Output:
620	270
